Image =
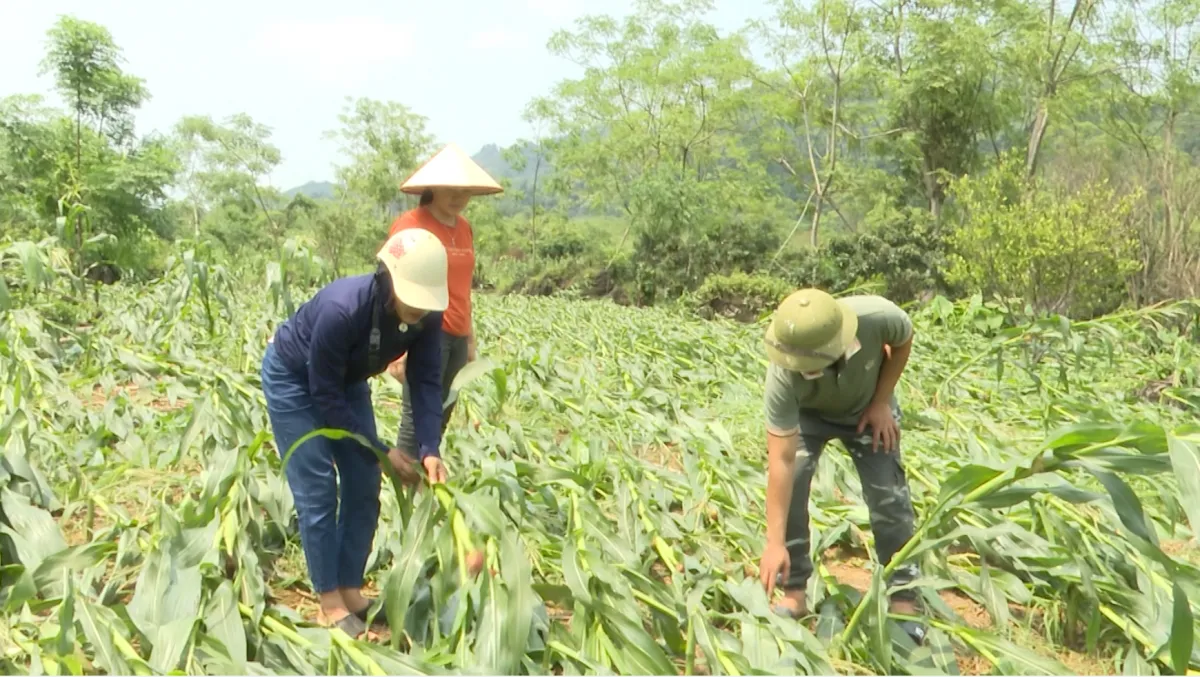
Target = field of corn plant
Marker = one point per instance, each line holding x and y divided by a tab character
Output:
610	462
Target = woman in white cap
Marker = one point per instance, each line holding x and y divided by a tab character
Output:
446	183
314	375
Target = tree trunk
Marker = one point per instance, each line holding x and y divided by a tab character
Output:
79	182
1040	122
533	206
933	189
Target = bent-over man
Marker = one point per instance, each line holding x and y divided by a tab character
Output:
834	365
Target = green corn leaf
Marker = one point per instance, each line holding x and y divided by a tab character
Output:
516	573
965	480
1182	629
634	650
574	576
994	599
34	532
66	618
98	625
1135	665
760	647
1013	659
1128	507
410	563
1185	459
223	623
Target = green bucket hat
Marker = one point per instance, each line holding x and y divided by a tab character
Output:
810	331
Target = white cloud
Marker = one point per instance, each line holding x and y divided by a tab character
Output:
339	49
498	38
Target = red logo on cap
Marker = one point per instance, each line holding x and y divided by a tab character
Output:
396	248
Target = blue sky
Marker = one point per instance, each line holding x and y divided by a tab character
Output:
469	66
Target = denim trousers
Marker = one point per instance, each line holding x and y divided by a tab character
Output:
454	358
885	491
337	535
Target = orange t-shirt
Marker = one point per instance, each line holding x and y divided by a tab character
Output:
460	264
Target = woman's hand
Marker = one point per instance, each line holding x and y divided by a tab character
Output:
435	469
404	466
396	369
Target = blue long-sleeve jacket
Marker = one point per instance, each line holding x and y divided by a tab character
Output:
327	339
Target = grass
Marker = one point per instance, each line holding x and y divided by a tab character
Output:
612	468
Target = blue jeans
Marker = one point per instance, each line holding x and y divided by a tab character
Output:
336	542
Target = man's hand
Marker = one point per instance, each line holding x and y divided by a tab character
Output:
471	347
878	416
396	369
404	466
775	561
435	469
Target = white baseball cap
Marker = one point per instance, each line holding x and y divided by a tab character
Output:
416	261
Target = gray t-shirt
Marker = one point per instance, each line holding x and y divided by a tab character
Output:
838	396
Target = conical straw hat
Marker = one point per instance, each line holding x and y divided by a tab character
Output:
451	168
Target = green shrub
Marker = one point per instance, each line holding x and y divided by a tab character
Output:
1061	252
739	296
899	253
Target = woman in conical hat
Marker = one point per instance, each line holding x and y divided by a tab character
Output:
446	184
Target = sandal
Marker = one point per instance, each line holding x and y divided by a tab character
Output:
352	625
785	610
915	630
788	612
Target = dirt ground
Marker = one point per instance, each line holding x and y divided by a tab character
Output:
854	569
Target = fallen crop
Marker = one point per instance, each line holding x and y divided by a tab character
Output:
605	510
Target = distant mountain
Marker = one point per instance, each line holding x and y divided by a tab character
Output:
317	190
518	166
494	160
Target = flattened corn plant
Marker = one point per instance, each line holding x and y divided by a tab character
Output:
611	467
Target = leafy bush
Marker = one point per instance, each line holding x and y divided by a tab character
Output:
899	253
739	296
1066	253
685	229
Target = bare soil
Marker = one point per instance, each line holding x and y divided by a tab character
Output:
854	569
134	393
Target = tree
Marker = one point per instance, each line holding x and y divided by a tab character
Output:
1063	252
815	99
1154	56
653	129
934	68
126	187
229	164
29	164
338	230
383	141
1050	56
85	63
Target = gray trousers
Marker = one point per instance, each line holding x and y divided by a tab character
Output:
885	491
454	358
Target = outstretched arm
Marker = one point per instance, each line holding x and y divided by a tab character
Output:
781	464
424	372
